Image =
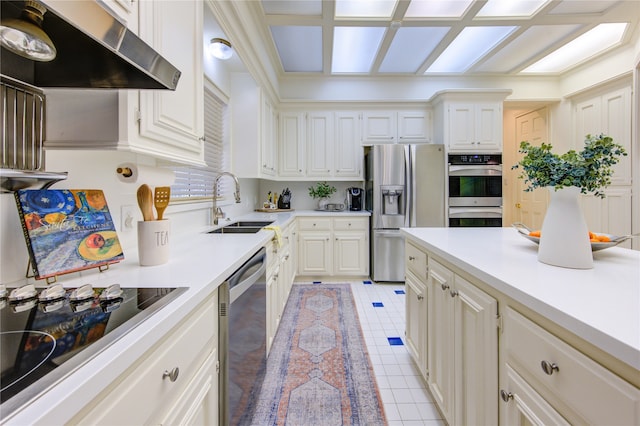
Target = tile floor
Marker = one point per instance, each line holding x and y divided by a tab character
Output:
381	310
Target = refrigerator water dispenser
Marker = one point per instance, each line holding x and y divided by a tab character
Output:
392	200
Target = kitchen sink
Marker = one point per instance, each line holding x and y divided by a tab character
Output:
242	227
230	229
258	224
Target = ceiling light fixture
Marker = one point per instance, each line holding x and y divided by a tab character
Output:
24	36
220	48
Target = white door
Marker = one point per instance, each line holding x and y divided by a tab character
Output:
530	207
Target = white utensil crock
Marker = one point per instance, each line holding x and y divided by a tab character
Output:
153	242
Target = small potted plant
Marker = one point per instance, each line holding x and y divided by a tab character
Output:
323	191
564	238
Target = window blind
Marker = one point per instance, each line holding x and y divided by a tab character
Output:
194	182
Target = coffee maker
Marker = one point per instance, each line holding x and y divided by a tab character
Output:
355	198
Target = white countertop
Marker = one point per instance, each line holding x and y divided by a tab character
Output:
198	261
600	305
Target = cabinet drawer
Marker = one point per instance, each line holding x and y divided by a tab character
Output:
416	261
590	391
314	223
350	224
143	391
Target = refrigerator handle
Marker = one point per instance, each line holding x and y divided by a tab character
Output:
409	180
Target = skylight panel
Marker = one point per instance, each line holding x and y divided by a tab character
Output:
533	41
354	48
511	8
410	47
292	7
589	44
365	8
471	44
437	8
300	48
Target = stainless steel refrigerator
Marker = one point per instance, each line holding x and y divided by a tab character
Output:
405	187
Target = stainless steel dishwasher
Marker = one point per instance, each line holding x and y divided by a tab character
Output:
243	340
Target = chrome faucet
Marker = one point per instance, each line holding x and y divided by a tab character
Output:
217	212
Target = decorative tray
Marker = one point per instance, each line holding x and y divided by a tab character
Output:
595	246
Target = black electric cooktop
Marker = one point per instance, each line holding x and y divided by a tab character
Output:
46	333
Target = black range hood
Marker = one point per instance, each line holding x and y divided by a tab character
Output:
94	50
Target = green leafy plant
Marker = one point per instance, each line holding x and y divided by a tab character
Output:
590	170
321	190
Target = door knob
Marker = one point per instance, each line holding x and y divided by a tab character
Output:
518	206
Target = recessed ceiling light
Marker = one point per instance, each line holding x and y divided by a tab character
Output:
365	8
471	44
354	48
589	44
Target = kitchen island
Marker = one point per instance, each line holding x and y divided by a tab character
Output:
559	332
200	262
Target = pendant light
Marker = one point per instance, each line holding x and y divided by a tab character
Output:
25	36
220	48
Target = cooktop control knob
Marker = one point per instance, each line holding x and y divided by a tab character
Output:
111	293
84	292
23	293
54	292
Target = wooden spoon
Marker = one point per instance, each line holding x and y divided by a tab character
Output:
161	199
145	202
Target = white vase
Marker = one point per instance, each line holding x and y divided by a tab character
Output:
322	203
564	237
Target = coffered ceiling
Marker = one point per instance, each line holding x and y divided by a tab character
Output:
442	37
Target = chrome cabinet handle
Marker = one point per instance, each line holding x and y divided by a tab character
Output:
549	367
172	375
453	293
444	286
506	396
420	297
411	258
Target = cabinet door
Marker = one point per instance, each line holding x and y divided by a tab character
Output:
611	215
199	405
416	321
292	144
348	155
379	127
175	119
350	253
315	253
414	126
319	143
461	126
523	406
476	355
616	122
273	305
440	338
488	127
268	141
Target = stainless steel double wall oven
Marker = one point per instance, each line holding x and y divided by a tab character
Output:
475	190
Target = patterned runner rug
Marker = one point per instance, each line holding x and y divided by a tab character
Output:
318	370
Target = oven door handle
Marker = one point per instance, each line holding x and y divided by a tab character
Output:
490	170
475	212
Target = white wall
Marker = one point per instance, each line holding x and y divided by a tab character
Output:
300	198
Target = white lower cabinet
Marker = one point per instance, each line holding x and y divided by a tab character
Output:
462	348
416	321
175	383
279	279
579	389
337	246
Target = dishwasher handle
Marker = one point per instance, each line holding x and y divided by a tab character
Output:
239	283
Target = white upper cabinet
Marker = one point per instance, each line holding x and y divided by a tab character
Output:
381	127
319	146
469	121
292	144
175	119
253	129
347	151
163	124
